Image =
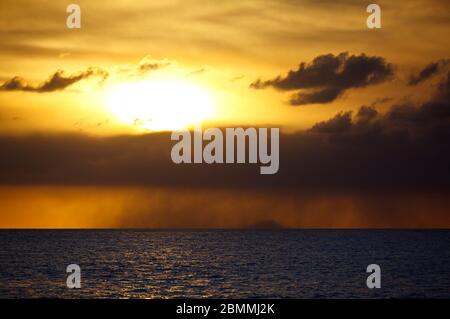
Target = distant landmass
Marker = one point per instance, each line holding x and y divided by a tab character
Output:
265	224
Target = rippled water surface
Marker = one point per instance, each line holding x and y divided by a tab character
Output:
224	264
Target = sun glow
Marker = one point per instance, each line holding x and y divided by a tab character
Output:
159	104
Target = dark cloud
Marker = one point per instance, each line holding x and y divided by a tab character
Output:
372	158
58	81
152	66
427	72
149	67
329	76
322	96
341	122
427	123
431	114
148	64
366	114
381	100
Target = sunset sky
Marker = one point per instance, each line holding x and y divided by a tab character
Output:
86	114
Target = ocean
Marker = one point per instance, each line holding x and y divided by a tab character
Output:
225	263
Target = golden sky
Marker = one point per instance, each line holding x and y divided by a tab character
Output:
77	105
218	47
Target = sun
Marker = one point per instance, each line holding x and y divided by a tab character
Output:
159	105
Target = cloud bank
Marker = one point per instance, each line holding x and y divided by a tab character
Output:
404	148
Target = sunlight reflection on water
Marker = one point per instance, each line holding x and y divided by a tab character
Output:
224	264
